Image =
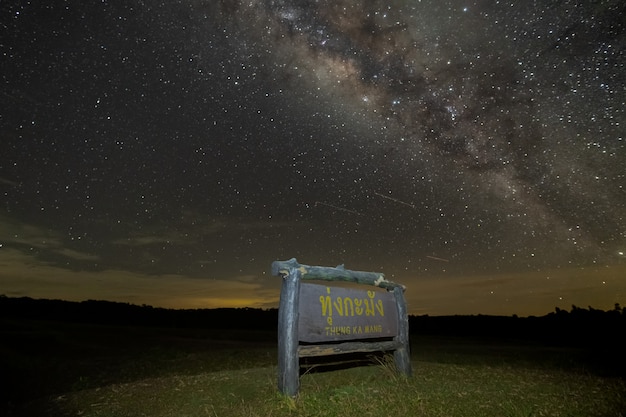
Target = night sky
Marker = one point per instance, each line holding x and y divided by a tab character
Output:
166	152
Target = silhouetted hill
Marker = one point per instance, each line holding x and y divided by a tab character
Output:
579	327
114	313
588	327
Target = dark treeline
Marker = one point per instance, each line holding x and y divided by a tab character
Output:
578	326
124	314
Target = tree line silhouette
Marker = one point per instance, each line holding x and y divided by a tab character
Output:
579	326
125	314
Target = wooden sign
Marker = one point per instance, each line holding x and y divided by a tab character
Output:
335	321
335	314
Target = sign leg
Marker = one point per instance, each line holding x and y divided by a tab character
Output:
288	314
402	355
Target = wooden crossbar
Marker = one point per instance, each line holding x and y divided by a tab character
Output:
307	351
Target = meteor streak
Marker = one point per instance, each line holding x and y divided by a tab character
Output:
338	208
395	200
437	259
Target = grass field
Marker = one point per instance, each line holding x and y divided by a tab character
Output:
76	370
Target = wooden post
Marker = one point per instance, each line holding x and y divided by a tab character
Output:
402	355
288	315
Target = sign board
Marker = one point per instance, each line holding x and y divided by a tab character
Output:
338	314
334	321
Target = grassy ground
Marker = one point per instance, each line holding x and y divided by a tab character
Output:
111	371
435	390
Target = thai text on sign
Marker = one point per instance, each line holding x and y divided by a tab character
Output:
335	314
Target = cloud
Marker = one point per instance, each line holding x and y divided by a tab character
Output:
193	227
23	275
31	238
9	182
77	255
27	234
146	240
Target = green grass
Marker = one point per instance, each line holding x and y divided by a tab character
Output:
101	371
435	390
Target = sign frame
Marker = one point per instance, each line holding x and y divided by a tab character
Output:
290	350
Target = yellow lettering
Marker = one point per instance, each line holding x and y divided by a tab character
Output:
337	330
358	307
376	328
338	306
379	307
369	307
369	304
349	307
345	306
327	307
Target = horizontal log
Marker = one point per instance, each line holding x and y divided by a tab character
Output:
338	273
305	351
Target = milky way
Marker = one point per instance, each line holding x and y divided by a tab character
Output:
481	95
206	139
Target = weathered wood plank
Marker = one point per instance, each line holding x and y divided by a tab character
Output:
288	314
305	351
338	273
402	355
340	314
